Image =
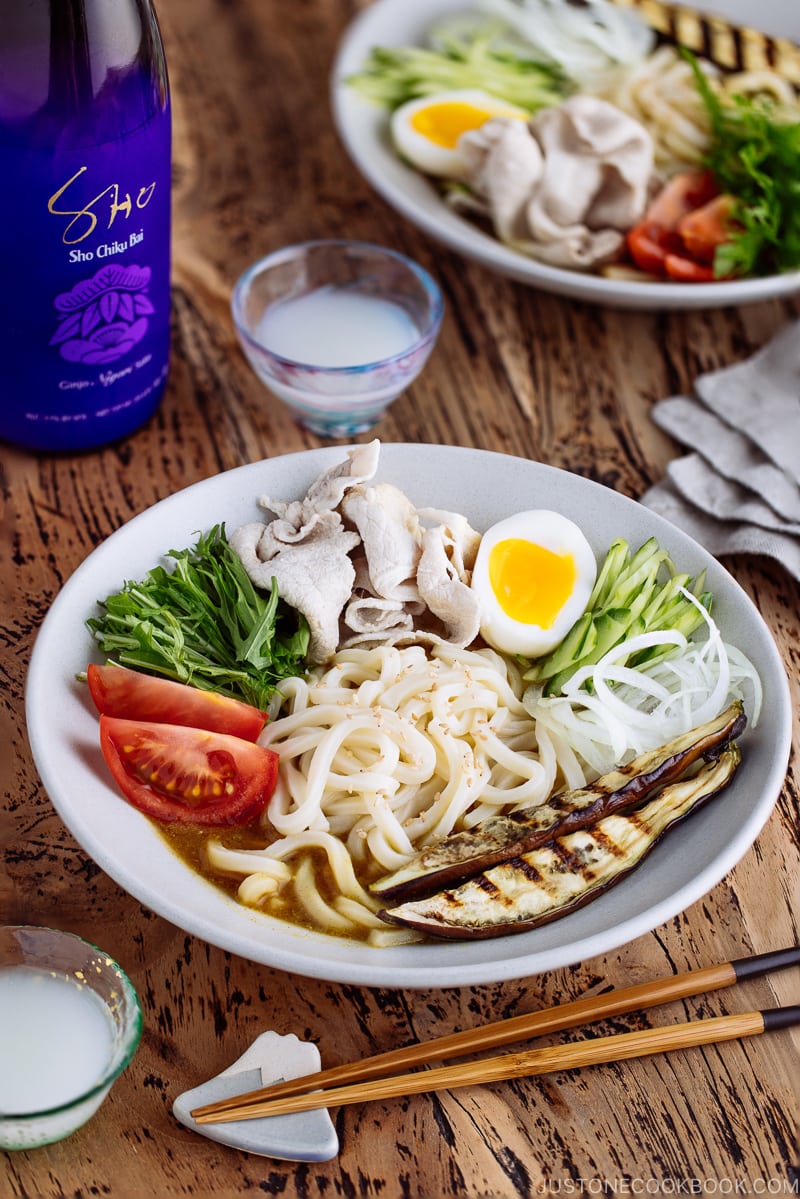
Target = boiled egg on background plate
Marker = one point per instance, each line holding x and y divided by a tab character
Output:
533	576
426	131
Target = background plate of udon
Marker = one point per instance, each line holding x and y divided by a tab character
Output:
364	130
63	730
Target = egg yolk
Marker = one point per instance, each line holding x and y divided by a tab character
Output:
444	123
531	583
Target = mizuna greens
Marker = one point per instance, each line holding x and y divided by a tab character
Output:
754	157
204	623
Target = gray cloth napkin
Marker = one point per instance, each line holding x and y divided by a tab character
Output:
738	490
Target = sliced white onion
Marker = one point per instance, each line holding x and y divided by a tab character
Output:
743	676
584	41
628	710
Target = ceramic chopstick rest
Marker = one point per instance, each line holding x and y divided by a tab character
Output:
303	1137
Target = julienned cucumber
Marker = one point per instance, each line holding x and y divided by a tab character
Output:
472	58
627	599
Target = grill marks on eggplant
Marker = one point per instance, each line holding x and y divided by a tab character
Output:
533	888
461	855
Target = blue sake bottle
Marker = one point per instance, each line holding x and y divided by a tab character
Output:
85	149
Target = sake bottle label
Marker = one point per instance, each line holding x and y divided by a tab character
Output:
85	320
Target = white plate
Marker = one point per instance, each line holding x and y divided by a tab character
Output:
363	127
63	727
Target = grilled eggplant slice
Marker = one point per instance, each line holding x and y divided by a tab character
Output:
460	855
568	872
731	47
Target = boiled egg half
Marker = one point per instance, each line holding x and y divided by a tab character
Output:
426	131
533	576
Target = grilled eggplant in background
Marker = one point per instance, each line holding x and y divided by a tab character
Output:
524	870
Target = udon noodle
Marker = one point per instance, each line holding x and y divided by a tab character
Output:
383	751
661	93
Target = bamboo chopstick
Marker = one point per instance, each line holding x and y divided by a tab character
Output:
589	1052
504	1032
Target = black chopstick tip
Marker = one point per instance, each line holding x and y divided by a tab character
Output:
763	963
781	1017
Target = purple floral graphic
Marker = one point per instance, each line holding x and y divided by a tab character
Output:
104	317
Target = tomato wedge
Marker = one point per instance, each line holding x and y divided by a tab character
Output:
685	270
682	228
707	228
175	773
132	695
682	195
648	245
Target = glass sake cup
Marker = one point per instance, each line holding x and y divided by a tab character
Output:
100	1023
337	330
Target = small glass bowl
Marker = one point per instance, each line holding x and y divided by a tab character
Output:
65	956
347	397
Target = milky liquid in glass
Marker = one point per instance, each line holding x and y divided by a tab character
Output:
336	327
56	1040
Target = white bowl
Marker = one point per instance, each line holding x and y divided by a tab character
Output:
692	859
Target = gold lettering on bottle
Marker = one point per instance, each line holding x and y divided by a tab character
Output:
145	195
117	205
84	220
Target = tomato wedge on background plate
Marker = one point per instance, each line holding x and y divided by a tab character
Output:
707	228
133	695
682	228
648	245
681	195
175	773
686	270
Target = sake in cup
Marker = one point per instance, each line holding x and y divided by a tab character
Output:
70	1022
337	330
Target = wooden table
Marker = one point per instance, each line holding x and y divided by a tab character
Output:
258	165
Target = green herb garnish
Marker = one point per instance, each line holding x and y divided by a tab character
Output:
204	623
627	599
755	157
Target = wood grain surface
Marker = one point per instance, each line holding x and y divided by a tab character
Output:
257	164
